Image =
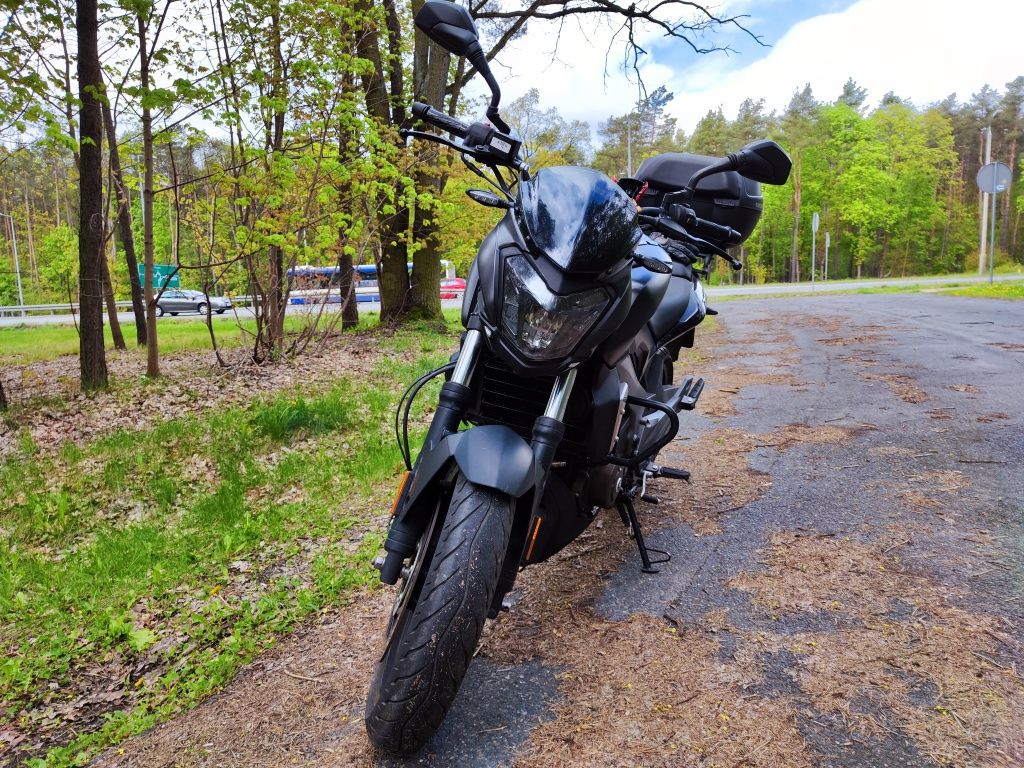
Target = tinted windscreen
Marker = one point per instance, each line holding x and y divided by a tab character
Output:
578	218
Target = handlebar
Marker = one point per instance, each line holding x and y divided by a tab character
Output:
674	229
439	119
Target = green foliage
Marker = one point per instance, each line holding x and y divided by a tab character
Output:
59	260
131	542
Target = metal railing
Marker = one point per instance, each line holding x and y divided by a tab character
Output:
72	308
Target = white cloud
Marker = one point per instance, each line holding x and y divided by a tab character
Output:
920	49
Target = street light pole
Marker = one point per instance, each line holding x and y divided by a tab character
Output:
17	267
984	204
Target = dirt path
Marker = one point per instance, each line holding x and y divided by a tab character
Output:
845	586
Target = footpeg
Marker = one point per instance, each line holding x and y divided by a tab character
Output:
672	473
689	394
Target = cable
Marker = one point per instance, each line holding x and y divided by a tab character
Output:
407	399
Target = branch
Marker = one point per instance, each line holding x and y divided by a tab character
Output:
665	15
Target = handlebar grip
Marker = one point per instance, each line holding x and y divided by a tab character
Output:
717	231
439	119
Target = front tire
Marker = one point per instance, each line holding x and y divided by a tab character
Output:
435	635
201	308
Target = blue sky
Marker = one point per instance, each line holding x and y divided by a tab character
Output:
920	49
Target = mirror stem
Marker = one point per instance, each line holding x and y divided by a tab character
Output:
478	59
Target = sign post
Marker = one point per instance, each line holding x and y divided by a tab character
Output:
827	243
815	221
993	179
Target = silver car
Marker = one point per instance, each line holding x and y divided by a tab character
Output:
175	300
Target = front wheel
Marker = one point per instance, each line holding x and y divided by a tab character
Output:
201	309
435	632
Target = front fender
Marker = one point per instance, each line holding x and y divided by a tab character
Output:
495	457
491	456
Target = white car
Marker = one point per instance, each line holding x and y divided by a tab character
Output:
175	301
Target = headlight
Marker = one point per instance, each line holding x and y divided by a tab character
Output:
541	324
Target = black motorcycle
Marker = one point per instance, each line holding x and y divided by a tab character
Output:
561	394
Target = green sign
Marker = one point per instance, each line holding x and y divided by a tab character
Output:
161	273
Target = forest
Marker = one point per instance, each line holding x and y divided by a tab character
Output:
235	140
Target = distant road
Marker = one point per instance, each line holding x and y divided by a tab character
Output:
847	285
127	318
713	291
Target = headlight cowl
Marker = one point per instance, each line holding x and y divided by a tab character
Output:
540	324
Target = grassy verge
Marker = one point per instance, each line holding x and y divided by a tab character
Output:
989	291
38	343
143	568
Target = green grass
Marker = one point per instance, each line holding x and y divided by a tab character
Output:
129	546
38	343
989	291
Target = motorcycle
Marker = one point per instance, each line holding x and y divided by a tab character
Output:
561	394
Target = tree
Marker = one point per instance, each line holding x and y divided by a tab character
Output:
628	139
92	356
547	138
798	123
412	225
711	135
853	95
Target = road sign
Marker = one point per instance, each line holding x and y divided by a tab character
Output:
814	222
162	276
994	178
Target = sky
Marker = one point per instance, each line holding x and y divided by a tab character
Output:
922	50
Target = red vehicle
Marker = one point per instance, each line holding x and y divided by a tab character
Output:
453	288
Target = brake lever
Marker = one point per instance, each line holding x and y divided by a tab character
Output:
478	153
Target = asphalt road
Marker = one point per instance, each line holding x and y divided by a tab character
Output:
944	345
850	285
845	587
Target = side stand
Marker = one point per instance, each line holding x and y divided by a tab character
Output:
628	514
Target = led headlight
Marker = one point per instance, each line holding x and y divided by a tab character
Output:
541	324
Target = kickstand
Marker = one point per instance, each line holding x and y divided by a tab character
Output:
628	514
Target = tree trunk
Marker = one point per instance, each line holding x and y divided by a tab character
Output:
424	290
33	264
92	356
108	297
794	259
124	225
152	349
275	305
430	74
3	397
393	271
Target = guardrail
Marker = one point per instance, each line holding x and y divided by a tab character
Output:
72	308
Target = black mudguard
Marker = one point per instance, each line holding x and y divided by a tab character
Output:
492	456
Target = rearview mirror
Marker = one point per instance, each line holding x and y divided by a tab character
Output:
449	25
763	161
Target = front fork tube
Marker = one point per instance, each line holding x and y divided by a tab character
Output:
454	401
548	431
